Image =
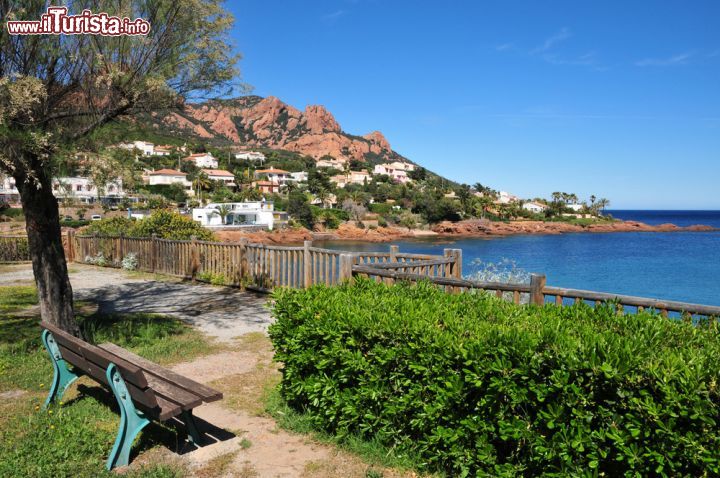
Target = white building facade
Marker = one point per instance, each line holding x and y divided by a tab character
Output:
146	148
397	170
203	160
255	213
254	156
169	176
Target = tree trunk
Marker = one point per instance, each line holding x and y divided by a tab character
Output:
42	223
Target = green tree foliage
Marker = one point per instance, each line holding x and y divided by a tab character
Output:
477	386
165	224
299	209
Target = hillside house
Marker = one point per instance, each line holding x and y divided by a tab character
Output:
274	175
170	176
397	170
330	163
145	147
203	160
221	175
84	190
255	213
534	207
253	156
266	187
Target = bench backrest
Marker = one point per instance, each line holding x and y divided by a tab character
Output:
93	361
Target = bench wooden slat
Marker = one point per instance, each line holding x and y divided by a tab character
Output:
170	392
206	393
130	372
146	397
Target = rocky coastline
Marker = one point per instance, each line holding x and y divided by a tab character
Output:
448	230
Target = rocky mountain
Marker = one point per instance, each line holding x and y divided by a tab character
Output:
253	121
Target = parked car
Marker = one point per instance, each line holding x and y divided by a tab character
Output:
95	217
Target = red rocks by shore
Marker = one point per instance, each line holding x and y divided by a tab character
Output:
470	228
489	228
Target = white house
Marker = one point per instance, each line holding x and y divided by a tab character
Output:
397	170
162	150
203	160
8	190
330	163
505	197
355	177
299	176
145	147
84	189
575	207
170	176
256	213
221	175
274	175
250	156
534	207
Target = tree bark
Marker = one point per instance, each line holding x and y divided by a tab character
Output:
42	223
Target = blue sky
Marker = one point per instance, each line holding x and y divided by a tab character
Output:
617	99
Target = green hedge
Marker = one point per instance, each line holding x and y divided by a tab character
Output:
478	386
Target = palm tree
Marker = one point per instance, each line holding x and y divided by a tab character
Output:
322	194
602	204
288	187
201	183
223	210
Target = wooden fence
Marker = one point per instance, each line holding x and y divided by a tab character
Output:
256	266
538	293
264	267
14	249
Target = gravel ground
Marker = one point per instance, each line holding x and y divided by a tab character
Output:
220	312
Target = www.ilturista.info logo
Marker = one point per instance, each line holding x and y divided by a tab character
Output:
57	22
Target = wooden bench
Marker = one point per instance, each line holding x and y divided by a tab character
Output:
144	390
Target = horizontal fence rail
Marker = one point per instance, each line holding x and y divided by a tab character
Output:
264	267
256	266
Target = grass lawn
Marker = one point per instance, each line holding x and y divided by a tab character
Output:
75	437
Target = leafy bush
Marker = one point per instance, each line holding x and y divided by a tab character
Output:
381	208
165	224
478	386
110	226
130	262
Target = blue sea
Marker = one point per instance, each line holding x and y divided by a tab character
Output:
681	266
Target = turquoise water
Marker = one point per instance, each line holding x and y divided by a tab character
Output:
674	266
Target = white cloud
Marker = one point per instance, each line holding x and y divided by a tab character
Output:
550	42
675	60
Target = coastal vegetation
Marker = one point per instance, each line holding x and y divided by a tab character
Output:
163	223
72	439
473	385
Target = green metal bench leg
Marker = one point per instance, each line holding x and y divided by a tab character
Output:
193	434
63	376
131	420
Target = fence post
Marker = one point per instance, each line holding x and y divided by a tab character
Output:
96	244
454	270
307	270
243	258
393	253
70	245
537	285
346	263
154	252
393	258
194	258
121	247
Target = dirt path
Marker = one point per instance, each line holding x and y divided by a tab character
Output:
259	448
220	312
254	446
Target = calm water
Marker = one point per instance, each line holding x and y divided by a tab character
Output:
676	266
